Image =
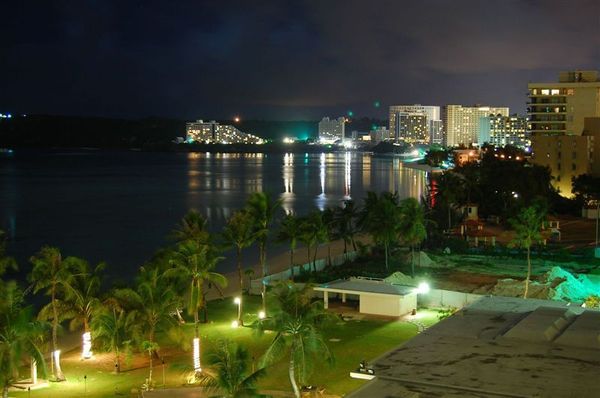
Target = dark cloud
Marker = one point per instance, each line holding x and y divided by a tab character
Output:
277	59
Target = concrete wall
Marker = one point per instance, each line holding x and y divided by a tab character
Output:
255	284
387	305
447	298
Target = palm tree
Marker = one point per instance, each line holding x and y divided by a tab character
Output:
345	220
19	336
448	189
151	347
192	227
82	297
313	232
297	324
380	218
330	230
412	226
289	231
193	262
527	225
54	276
262	209
111	327
228	371
149	306
6	262
238	233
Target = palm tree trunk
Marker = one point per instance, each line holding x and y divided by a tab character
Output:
293	377
58	374
117	361
528	272
329	254
239	267
385	247
449	219
5	392
150	375
315	259
263	263
292	261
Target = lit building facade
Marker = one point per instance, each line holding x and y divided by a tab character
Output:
463	123
500	130
215	133
331	130
560	108
415	124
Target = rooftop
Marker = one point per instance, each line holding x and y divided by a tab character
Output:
498	346
363	285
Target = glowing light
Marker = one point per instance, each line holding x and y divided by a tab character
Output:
262	315
237	300
350	113
236	119
235	324
376	104
288	140
196	353
423	288
86	349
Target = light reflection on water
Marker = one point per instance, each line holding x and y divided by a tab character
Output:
119	206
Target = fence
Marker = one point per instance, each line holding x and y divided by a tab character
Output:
447	298
255	284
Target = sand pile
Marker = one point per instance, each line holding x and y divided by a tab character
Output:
398	278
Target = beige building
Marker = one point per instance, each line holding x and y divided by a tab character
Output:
213	132
462	124
504	130
416	123
560	108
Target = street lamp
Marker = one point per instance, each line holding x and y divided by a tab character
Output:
261	315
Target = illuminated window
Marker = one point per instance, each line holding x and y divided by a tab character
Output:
555	91
545	91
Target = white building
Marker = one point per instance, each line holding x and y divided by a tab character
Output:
331	130
215	133
504	130
418	124
462	123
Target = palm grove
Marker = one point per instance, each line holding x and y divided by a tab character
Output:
170	290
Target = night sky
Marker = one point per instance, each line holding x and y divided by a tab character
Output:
284	60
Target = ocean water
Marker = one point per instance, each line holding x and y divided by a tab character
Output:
119	207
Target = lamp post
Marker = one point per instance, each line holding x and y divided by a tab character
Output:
238	301
84	385
163	370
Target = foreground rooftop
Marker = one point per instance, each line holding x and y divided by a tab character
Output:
497	347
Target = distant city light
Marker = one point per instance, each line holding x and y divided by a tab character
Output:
350	113
236	119
376	104
288	140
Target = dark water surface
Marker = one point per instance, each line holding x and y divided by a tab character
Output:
119	207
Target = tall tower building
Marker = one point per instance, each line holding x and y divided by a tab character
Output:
463	123
332	129
560	108
414	124
504	130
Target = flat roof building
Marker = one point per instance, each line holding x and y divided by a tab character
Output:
560	108
415	124
501	130
462	123
331	130
213	132
496	347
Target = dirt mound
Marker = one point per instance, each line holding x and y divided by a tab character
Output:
515	288
398	278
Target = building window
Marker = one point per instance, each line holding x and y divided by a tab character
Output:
574	167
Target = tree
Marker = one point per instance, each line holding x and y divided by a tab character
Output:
448	189
6	262
586	189
380	218
412	226
228	371
527	226
54	276
111	327
193	262
20	336
262	209
289	231
192	227
150	347
238	233
81	297
297	323
345	221
149	305
312	233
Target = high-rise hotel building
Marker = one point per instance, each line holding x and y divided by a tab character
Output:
331	130
560	108
415	124
501	130
462	124
213	132
564	122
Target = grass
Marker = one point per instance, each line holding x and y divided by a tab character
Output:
358	340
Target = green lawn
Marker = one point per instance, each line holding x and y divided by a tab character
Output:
358	340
